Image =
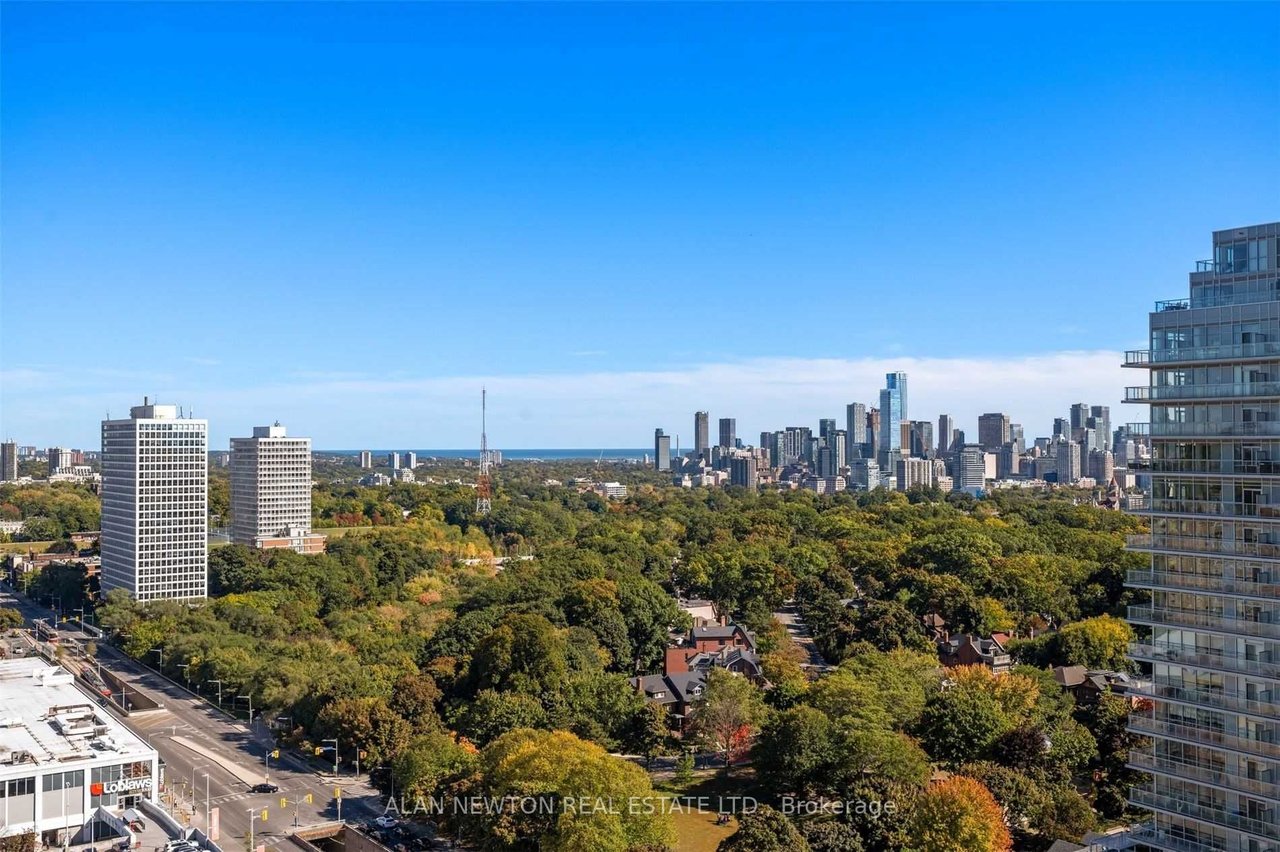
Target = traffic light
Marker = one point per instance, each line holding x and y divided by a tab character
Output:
264	815
284	803
276	754
319	750
307	799
362	752
337	792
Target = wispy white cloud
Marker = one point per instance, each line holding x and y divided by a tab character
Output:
586	408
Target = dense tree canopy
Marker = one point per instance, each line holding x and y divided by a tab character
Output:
408	643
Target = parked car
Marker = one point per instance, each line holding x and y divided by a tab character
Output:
385	822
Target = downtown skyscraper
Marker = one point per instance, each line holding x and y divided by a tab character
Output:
702	434
1213	622
893	410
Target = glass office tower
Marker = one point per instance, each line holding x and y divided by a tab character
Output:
1212	627
893	410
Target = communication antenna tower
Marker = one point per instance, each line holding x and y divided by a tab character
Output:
484	488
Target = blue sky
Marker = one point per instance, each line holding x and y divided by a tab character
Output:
349	216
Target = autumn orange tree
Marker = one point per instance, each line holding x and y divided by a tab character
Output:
957	815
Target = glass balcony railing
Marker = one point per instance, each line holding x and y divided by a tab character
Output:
1201	582
1214	430
1145	797
1149	726
1221	661
1217	698
1174	506
1206	620
1189	354
1156	838
1213	467
1209	774
1172	305
1225	390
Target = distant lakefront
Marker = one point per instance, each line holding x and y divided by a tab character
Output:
606	454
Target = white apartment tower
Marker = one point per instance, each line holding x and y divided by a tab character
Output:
271	491
155	482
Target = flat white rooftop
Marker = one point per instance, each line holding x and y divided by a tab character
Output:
46	721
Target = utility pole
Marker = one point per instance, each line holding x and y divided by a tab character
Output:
207	825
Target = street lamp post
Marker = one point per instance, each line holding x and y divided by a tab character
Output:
66	817
253	816
186	673
206	805
160	651
248	698
219	683
193	788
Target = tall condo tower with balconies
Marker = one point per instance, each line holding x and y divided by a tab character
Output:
1213	623
155	503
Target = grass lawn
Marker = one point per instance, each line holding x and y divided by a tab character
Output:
339	532
25	546
697	831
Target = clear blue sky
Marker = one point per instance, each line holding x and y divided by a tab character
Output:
348	216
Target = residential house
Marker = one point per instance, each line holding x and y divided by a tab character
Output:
969	650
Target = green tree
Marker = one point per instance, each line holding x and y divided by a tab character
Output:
764	830
558	767
729	714
796	751
429	762
491	714
1095	643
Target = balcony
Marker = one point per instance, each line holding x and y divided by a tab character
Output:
1149	726
1214	430
1219	699
1213	467
1156	838
1165	543
1176	580
1175	506
1145	797
1173	305
1211	621
1145	759
1226	390
1144	358
1156	652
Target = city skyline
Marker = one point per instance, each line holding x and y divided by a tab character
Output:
787	390
553	240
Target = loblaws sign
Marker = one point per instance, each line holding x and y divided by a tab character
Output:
124	785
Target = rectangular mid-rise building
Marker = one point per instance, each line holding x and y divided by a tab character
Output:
155	493
8	461
271	491
1210	633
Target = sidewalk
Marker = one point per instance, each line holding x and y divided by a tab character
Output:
249	777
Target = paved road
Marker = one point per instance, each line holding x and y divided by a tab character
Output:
195	739
789	618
